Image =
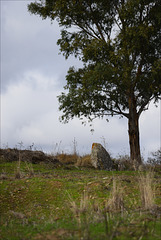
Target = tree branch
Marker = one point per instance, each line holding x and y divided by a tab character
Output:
121	112
112	113
117	24
142	108
94	35
97	25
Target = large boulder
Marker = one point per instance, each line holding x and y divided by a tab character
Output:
100	158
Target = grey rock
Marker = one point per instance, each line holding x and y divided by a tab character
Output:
100	158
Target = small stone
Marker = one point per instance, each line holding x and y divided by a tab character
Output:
100	158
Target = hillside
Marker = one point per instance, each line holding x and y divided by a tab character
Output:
54	200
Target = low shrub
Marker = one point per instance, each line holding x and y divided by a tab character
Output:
84	161
154	162
123	163
67	158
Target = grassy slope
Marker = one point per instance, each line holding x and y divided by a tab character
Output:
49	203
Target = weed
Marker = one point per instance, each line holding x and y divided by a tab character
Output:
56	149
75	147
18	172
18	168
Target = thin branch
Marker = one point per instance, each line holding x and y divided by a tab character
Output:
97	25
112	113
94	35
117	24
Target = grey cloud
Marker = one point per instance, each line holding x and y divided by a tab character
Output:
29	43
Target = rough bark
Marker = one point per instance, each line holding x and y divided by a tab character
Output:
133	124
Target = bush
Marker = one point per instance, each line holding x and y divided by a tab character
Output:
123	163
84	161
67	158
155	160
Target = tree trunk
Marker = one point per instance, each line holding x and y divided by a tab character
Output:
134	140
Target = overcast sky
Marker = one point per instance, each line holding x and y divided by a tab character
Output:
33	75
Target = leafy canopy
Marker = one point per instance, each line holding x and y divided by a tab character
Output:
119	43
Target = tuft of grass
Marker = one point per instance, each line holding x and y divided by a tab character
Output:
82	214
116	200
146	190
30	169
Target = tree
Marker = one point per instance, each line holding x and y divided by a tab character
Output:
119	43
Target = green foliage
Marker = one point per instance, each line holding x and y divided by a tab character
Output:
119	43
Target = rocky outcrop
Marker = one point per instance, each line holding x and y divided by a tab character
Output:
100	158
11	155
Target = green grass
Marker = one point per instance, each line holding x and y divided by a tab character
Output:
39	206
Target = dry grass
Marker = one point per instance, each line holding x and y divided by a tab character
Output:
88	212
92	212
116	200
84	161
67	158
82	213
83	207
18	173
147	190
